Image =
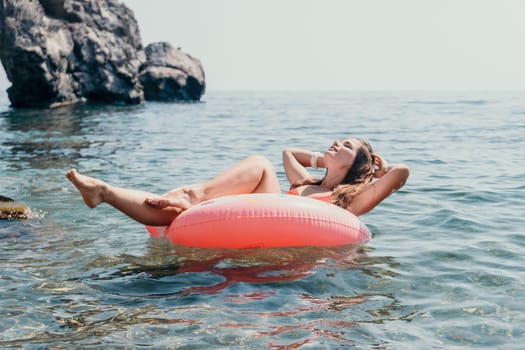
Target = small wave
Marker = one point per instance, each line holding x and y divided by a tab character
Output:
39	214
472	102
445	103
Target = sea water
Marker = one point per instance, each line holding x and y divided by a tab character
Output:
444	269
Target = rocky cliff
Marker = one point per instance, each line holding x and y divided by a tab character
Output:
58	52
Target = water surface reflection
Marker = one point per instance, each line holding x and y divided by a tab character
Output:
43	138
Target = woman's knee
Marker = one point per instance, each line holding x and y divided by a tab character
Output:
261	162
264	172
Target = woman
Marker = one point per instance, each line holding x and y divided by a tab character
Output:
351	166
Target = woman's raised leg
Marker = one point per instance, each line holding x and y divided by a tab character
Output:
254	174
130	202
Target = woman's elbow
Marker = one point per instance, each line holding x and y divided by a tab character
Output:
286	153
288	150
403	174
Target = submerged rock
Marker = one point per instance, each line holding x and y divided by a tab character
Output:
12	210
58	52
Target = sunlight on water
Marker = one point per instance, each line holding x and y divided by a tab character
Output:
443	270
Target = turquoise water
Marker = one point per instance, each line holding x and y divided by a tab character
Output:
444	268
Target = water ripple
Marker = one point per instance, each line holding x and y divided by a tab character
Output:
443	270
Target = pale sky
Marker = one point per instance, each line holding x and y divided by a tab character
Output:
344	44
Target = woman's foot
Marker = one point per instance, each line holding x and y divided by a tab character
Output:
91	189
181	198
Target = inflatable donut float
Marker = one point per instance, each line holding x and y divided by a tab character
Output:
263	221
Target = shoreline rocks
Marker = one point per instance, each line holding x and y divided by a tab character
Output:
170	74
13	210
59	52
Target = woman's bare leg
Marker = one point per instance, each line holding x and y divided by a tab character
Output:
254	174
130	202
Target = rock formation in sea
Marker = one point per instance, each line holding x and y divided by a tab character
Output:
12	210
59	52
170	74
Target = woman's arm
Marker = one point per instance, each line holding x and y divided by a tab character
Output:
390	179
295	161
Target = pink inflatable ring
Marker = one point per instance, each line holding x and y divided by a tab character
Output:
263	221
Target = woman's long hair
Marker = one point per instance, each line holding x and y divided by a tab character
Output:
357	178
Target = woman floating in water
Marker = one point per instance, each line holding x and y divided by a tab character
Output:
356	179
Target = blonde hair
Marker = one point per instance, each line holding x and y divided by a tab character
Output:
357	178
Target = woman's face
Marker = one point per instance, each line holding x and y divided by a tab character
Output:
343	153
